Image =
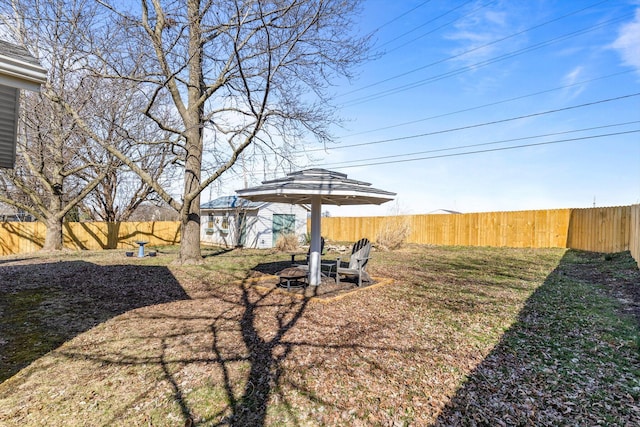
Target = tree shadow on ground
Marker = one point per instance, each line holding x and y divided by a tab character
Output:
241	338
235	333
271	267
265	355
568	359
245	355
214	251
44	305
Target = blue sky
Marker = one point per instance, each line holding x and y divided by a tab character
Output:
459	76
565	69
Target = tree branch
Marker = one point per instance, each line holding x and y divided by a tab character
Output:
144	175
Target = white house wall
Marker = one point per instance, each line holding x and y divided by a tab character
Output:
213	231
259	225
8	125
266	239
18	70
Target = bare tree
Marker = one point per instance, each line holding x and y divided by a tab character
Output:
59	162
116	197
122	191
239	73
53	170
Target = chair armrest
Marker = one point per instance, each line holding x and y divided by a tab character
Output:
293	257
361	262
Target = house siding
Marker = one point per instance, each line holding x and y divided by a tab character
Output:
18	70
259	225
9	109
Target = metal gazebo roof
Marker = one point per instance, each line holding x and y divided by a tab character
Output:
230	203
316	186
301	187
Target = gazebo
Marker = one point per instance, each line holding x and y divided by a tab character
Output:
316	187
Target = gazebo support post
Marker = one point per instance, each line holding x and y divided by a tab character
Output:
314	256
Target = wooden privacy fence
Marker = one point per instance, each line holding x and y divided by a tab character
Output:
634	233
25	237
612	229
513	229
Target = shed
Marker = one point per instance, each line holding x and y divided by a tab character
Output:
233	221
18	70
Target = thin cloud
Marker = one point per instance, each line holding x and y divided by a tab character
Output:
483	28
474	33
572	77
628	42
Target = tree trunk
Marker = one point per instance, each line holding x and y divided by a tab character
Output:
190	213
193	120
190	236
113	231
53	221
53	236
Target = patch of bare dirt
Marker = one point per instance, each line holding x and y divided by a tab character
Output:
45	302
326	291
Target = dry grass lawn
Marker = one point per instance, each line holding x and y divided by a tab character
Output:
461	336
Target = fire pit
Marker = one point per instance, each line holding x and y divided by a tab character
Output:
292	277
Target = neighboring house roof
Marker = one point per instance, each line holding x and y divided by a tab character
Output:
19	69
6	209
231	202
444	211
11	213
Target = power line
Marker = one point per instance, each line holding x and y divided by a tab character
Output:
526	116
459	147
402	15
491	104
433	20
475	48
488	150
480	64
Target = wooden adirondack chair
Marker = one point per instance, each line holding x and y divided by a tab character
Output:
306	265
357	266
